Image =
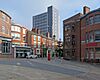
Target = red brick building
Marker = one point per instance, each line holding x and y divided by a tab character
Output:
38	42
18	34
5	35
71	32
90	35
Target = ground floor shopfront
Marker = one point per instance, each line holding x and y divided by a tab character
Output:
41	52
21	51
5	47
90	52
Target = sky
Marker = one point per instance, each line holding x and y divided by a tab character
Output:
22	11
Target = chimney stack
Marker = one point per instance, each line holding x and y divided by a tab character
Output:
35	30
86	10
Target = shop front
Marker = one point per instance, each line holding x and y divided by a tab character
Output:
5	47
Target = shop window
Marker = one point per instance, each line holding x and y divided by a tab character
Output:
86	54
91	51
5	47
97	18
97	50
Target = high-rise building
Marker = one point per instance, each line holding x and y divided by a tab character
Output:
48	22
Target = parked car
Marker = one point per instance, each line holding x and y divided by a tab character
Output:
31	56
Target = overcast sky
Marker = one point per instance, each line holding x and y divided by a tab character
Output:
22	11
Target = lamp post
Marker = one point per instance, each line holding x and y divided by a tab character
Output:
54	44
42	49
59	47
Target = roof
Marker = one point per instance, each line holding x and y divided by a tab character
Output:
5	13
76	16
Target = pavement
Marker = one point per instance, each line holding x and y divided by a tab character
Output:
42	69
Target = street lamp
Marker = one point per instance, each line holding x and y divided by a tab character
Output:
59	48
54	44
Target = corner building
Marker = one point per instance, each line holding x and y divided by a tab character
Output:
5	35
90	36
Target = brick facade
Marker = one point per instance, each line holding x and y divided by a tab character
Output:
90	36
5	35
71	32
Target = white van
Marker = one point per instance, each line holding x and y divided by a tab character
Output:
31	56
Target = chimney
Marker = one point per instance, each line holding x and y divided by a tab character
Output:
86	10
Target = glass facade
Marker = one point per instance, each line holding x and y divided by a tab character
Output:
48	22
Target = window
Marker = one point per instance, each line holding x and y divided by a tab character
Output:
86	54
97	54
97	35
13	28
91	53
3	29
73	52
5	47
87	21
91	38
35	37
15	36
34	45
97	18
38	38
73	36
87	37
73	42
91	20
24	38
3	17
68	38
67	28
97	50
24	31
73	27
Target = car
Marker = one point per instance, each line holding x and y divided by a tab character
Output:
31	56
